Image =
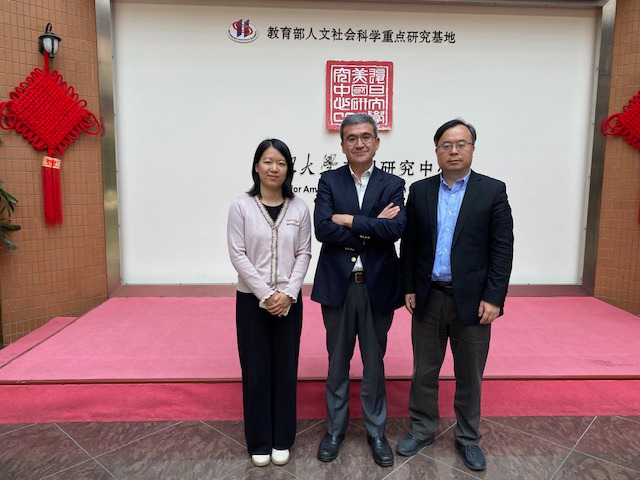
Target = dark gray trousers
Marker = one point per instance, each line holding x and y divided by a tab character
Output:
438	322
356	317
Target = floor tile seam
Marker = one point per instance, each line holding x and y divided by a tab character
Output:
105	468
575	445
17	429
420	452
627	419
361	428
74	441
58	472
435	438
561	465
573	450
409	459
392	469
445	431
595	457
397	467
448	465
310	427
91	457
356	425
223	434
284	467
135	440
290	473
394	441
529	434
231	469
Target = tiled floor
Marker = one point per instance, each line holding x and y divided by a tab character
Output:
556	448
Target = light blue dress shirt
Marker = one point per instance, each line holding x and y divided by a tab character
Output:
449	202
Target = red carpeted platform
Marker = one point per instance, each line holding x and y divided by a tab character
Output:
154	358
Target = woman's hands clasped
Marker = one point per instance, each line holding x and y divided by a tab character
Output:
278	304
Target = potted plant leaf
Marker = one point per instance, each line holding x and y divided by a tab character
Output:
7	207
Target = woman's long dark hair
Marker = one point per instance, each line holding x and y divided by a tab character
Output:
279	145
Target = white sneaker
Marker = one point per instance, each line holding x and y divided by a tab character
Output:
279	457
260	460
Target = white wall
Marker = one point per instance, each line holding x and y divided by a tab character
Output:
192	105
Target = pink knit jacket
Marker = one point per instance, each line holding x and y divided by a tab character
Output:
269	256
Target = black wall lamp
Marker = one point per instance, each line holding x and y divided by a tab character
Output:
49	42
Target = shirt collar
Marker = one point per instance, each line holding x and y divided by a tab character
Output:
367	173
462	182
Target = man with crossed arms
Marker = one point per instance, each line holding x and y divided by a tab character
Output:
359	214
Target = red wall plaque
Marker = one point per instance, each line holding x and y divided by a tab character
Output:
359	87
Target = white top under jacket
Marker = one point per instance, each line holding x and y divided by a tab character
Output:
269	256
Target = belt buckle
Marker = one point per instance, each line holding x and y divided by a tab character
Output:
358	277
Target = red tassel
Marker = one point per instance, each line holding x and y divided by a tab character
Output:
51	190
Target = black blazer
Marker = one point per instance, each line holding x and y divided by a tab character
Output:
481	251
370	237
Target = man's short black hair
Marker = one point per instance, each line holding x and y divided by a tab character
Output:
454	123
358	118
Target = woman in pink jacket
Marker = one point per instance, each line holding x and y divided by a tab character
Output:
269	238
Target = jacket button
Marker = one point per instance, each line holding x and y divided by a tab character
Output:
353	259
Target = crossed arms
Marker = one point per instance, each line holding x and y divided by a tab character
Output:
341	229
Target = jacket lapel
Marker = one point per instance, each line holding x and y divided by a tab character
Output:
432	204
348	188
469	200
371	194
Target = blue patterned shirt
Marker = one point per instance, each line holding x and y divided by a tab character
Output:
449	202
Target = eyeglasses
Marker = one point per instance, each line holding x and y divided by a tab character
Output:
366	138
447	147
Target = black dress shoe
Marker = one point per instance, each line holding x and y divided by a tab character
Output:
472	456
381	451
410	445
329	447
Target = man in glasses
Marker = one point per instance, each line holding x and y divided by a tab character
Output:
457	252
359	214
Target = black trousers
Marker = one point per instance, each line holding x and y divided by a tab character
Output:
438	322
269	347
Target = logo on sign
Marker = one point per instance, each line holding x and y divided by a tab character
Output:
242	31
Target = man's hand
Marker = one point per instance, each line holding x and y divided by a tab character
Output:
343	219
278	303
488	312
390	211
410	302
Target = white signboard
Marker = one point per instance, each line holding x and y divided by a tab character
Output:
192	105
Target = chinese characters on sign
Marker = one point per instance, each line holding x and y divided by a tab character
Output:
408	169
350	35
359	87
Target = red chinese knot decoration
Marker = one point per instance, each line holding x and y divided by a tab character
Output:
50	115
626	124
359	87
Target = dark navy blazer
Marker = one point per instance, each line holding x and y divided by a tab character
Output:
481	251
370	237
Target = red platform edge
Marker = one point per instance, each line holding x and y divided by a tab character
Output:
223	401
34	338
